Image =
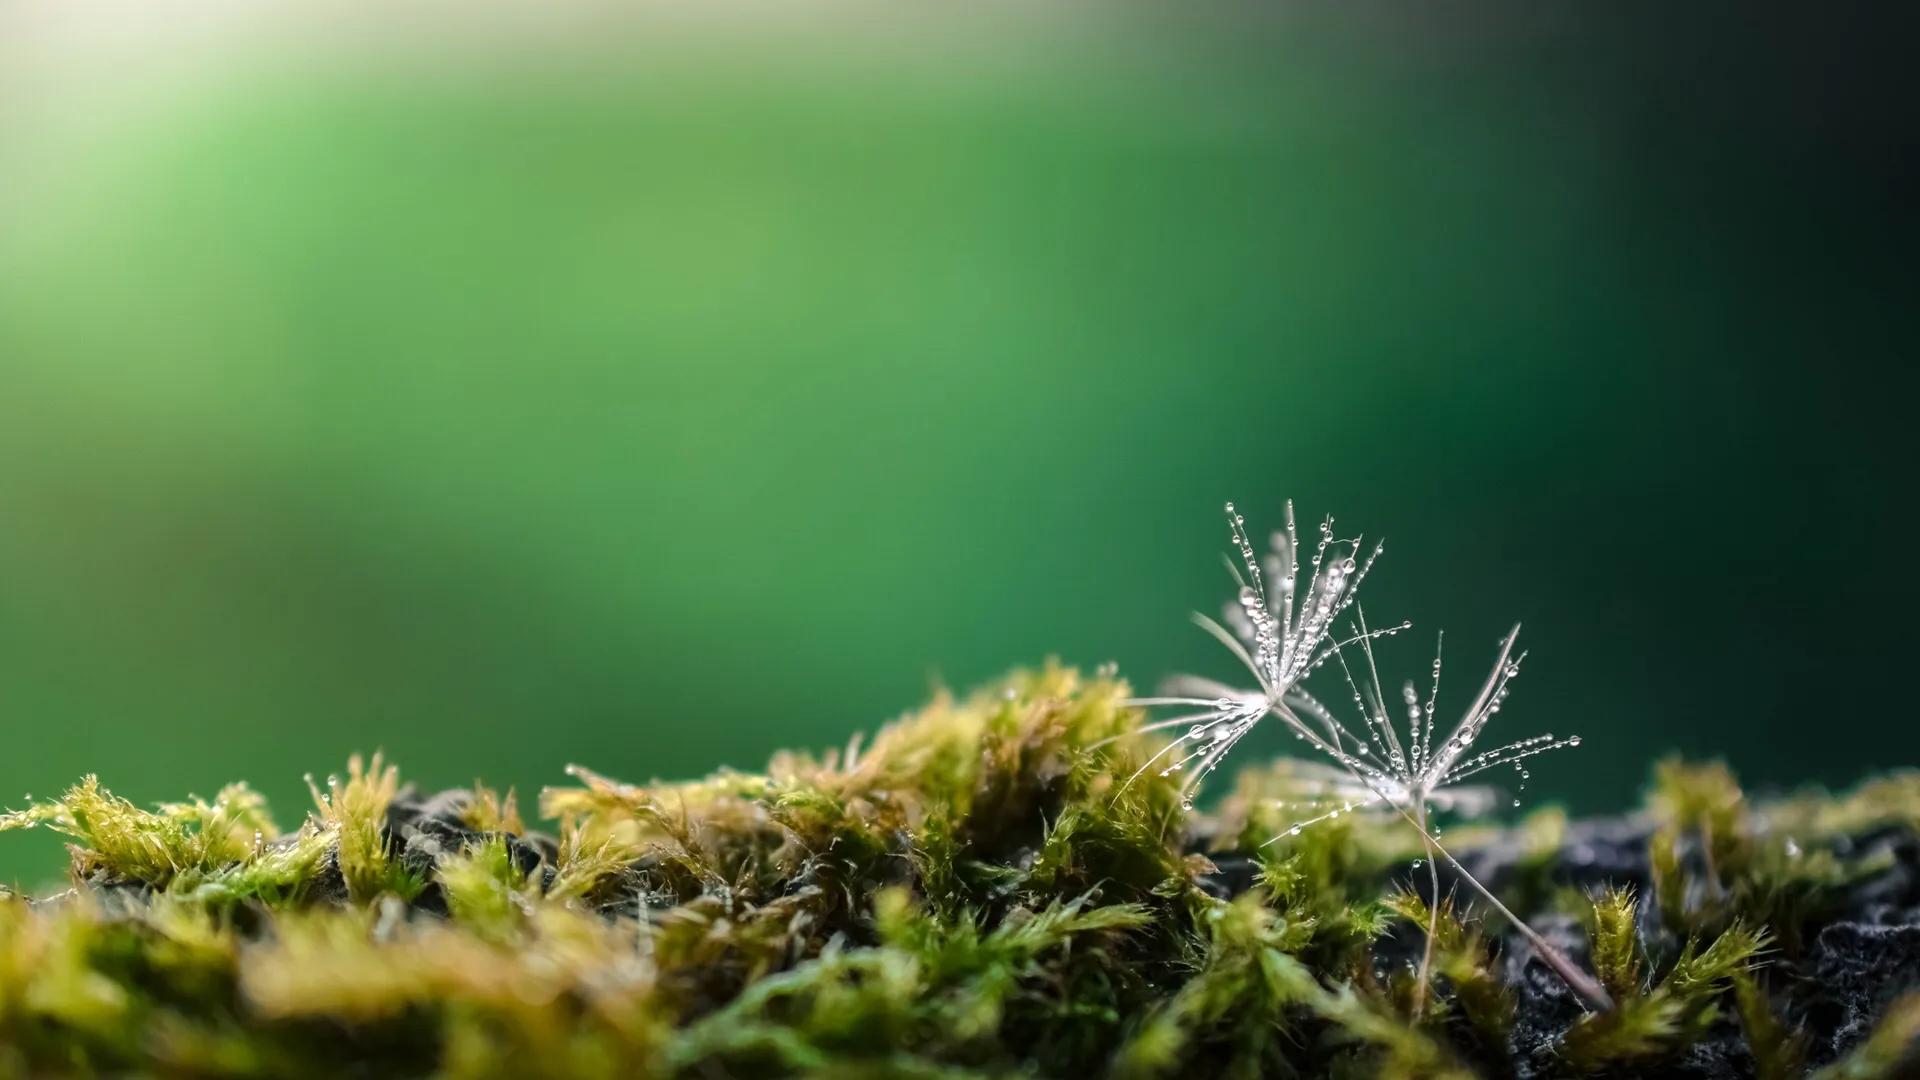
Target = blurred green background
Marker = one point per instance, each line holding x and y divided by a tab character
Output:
649	392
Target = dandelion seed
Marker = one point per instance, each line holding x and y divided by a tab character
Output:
1280	636
1283	636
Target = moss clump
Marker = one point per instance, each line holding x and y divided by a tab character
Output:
977	893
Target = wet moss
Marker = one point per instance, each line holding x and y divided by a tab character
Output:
986	889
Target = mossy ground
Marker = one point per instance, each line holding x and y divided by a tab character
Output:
977	892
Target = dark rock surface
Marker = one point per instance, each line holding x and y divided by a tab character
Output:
420	831
1858	957
1859	952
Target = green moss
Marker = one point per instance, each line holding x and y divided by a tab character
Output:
1473	1000
1617	962
356	812
117	840
1779	1053
981	891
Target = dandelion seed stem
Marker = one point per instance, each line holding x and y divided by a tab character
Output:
1578	981
1433	918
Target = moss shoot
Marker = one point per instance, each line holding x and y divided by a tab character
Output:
978	892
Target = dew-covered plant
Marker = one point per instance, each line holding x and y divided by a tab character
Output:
1282	633
1280	638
